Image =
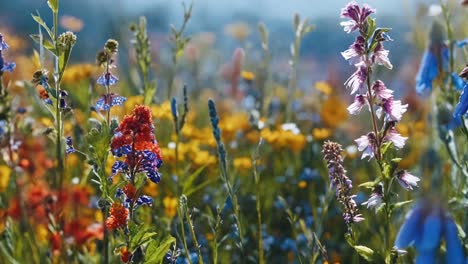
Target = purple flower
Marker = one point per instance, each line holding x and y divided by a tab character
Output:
359	102
380	56
357	15
144	200
69	148
407	180
393	109
8	67
355	53
424	227
107	101
3	45
381	91
375	200
5	66
367	144
394	137
339	180
107	79
357	80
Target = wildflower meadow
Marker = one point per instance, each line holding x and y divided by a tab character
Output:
337	140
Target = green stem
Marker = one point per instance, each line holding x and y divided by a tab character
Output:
192	232
184	241
259	207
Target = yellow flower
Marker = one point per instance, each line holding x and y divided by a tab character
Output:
323	87
247	75
321	133
162	111
5	173
242	163
170	206
79	72
333	112
302	184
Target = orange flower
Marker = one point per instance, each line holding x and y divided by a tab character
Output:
125	255
118	216
129	191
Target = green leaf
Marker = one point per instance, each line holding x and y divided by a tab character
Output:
400	204
371	24
41	22
369	184
349	239
63	59
200	186
54	5
139	235
46	43
365	252
188	182
157	249
150	91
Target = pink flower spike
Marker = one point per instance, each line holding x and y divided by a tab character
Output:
381	91
394	137
359	102
407	180
357	79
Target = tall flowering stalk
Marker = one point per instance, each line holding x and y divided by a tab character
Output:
366	53
107	79
341	182
139	159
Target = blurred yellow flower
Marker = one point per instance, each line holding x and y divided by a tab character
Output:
79	72
333	112
170	206
321	133
5	173
162	111
302	184
242	163
323	87
247	75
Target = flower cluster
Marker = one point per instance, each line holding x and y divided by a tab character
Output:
134	139
118	217
339	180
128	196
424	228
5	66
366	52
107	79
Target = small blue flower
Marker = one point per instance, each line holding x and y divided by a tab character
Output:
107	101
430	67
462	107
3	45
8	67
425	226
458	81
3	127
69	149
462	43
144	200
107	79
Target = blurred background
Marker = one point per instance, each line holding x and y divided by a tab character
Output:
226	25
